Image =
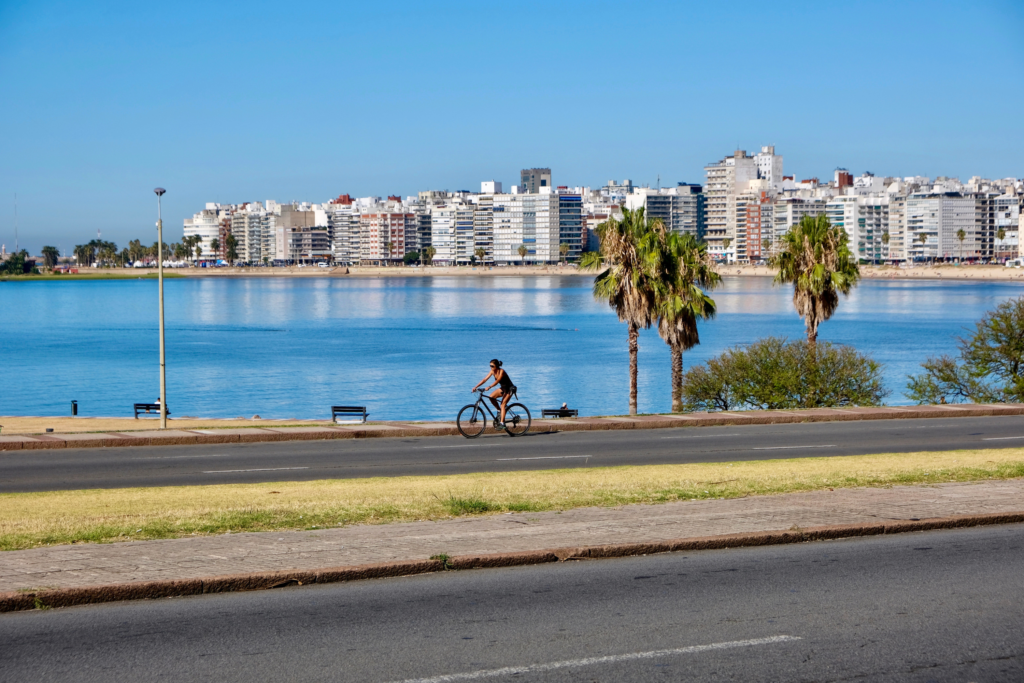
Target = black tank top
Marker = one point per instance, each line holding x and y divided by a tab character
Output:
505	381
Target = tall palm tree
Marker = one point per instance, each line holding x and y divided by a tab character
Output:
923	239
630	258
428	254
961	235
50	257
215	246
563	250
231	245
523	251
688	271
480	253
387	250
815	258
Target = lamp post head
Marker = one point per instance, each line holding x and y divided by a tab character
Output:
159	191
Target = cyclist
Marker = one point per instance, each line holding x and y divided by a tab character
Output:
504	391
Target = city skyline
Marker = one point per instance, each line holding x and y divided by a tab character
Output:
103	112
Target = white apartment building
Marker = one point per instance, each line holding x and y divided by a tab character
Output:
1008	218
248	223
932	224
343	226
769	167
680	208
788	211
207	226
865	218
530	221
736	176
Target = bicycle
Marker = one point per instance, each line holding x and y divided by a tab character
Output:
472	419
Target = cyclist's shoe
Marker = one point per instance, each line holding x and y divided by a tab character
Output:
499	425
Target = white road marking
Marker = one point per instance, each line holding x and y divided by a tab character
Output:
590	661
702	436
1002	438
178	457
780	448
547	457
262	469
469	445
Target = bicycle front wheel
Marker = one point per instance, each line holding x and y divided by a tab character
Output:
517	419
471	421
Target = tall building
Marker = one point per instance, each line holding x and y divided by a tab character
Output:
1007	224
932	224
343	227
382	233
570	224
680	208
865	219
206	225
726	180
532	179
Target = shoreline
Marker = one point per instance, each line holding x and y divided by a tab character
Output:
868	272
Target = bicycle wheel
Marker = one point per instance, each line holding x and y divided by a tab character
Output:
517	419
471	421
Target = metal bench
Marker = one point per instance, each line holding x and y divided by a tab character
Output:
349	411
559	412
146	408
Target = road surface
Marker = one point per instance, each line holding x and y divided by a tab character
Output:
82	468
934	606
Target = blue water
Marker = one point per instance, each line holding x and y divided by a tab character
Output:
410	348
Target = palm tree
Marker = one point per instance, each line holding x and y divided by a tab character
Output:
387	250
480	254
199	249
428	254
725	245
766	245
923	239
961	235
815	258
50	257
523	251
215	246
630	258
563	250
688	271
231	244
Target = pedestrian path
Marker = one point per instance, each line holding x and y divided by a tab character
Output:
76	574
178	437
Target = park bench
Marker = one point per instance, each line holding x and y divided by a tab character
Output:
146	408
349	411
559	412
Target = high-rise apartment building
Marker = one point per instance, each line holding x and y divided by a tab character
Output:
382	234
533	179
932	224
207	226
680	208
1007	225
726	180
343	227
570	225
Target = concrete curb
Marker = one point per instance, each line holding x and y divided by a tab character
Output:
182	437
13	601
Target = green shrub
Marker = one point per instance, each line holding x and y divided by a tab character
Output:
777	374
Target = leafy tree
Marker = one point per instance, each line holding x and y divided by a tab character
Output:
687	271
776	374
50	257
1001	234
17	263
411	257
630	259
563	251
990	366
814	257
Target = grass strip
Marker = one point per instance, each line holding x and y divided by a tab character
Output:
30	520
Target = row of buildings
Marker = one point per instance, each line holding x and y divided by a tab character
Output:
741	211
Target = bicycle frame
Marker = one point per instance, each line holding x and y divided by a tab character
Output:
482	401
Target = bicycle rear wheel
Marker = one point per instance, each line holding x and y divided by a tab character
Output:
471	421
517	419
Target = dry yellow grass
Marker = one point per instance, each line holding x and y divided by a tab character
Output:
33	519
72	425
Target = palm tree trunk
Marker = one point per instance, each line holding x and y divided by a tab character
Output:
634	334
677	379
812	331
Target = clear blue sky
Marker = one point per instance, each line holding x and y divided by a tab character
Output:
230	102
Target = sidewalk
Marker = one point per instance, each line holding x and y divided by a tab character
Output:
178	437
81	574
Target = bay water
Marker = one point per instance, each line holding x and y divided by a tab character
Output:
412	347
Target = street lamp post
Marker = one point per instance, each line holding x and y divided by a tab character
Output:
160	286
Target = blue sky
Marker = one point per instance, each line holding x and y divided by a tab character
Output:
231	102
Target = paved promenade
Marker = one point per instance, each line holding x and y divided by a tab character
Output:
178	437
78	574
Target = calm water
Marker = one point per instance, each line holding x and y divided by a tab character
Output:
409	348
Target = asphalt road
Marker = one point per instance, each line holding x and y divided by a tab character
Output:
934	606
82	468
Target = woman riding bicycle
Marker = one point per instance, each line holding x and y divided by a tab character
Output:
504	391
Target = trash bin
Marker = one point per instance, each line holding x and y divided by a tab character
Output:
74	408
